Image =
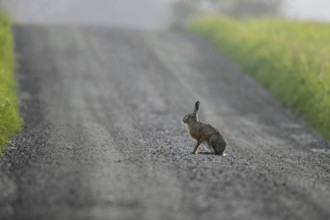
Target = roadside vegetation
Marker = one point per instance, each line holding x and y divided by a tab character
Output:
10	121
289	58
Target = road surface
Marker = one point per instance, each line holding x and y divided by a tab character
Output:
103	137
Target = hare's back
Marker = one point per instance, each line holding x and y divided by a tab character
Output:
209	129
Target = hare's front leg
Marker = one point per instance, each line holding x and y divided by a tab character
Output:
196	147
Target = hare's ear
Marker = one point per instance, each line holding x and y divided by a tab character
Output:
196	107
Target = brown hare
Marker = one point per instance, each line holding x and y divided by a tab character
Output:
204	134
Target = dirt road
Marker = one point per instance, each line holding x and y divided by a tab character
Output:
103	137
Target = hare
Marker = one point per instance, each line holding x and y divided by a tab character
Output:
204	134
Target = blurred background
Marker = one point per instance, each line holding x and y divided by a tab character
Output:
157	13
289	58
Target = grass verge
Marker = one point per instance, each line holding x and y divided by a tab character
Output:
10	122
289	58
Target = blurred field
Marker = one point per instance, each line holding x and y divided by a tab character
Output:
10	121
289	58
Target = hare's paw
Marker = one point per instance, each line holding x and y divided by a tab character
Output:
195	152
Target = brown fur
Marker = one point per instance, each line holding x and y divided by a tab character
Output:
204	133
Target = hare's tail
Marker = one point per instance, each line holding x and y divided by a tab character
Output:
220	147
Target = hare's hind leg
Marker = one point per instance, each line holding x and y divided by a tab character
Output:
196	151
218	144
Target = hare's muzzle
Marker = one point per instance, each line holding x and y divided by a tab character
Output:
185	119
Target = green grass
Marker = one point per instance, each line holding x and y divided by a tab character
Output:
10	121
289	58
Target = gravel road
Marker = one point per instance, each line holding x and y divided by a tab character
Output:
103	137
